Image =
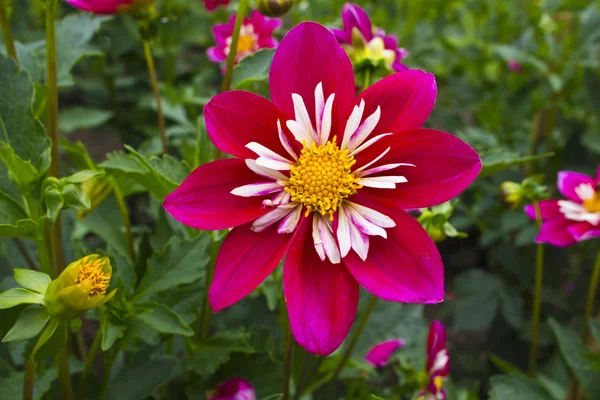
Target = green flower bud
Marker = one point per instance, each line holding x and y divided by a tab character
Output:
435	222
274	8
97	190
371	54
530	190
80	287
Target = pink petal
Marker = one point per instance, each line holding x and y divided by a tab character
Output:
583	231
556	232
569	181
99	6
321	297
405	267
204	199
234	389
548	209
212	4
444	166
216	54
236	118
245	260
308	55
355	17
436	343
379	355
406	100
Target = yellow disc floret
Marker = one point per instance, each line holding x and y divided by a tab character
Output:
92	270
322	178
593	204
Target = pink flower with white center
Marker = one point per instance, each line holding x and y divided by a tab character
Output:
358	32
324	177
256	33
438	363
211	5
233	389
379	355
100	6
577	217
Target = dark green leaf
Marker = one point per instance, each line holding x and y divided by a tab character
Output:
111	331
216	350
253	68
505	387
164	320
11	386
75	118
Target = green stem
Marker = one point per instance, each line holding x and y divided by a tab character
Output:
88	365
537	298
589	308
109	359
361	325
64	376
126	220
157	97
29	379
367	78
9	41
287	360
239	19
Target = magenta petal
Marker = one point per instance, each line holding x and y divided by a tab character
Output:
308	55
556	232
355	17
549	209
444	167
234	389
245	260
204	199
98	6
568	181
379	355
406	100
215	54
342	36
321	297
584	231
405	267
436	343
236	118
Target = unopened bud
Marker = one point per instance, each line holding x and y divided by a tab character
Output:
274	8
97	190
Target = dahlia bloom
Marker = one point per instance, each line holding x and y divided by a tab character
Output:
514	66
233	389
364	43
213	4
328	187
100	6
576	218
438	363
379	355
256	33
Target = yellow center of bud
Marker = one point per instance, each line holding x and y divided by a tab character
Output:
92	271
322	178
245	43
593	204
438	382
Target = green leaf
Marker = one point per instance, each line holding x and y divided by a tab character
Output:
164	320
83	176
16	296
54	202
179	263
595	330
76	118
32	280
572	350
477	299
505	366
31	322
497	161
24	147
14	221
111	331
11	386
260	369
591	84
505	387
216	350
78	155
253	68
52	340
75	197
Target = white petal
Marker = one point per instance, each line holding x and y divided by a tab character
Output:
373	216
379	157
329	244
364	225
266	172
290	222
300	133
302	116
343	232
585	191
282	198
263	222
268	158
365	129
369	143
382	168
360	242
382	182
327	118
257	189
285	142
319	106
317	240
353	123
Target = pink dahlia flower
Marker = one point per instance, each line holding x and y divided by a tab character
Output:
357	22
100	6
256	33
514	66
233	389
324	177
438	363
379	355
577	217
213	4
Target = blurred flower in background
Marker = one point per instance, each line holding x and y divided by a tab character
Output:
515	195
233	389
275	8
213	4
100	6
514	66
379	355
438	363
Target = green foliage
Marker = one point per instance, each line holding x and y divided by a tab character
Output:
252	69
516	387
31	322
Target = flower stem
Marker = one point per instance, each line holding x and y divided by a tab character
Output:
9	42
64	376
30	367
156	90
239	19
367	78
361	325
537	298
89	363
126	220
287	358
109	359
589	308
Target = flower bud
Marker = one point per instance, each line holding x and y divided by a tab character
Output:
530	190
274	8
97	190
436	222
372	55
80	287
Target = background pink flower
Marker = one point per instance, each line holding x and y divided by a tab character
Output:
234	389
577	217
256	33
355	17
213	4
514	66
379	355
99	6
367	160
438	363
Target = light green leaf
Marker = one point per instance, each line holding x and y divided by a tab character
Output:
216	350
54	202
31	322
75	118
164	320
12	219
83	176
179	263
32	280
78	155
75	197
15	296
253	68
505	387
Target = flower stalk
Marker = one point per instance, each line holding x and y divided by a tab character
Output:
239	19
589	307
88	365
64	376
537	297
156	91
9	41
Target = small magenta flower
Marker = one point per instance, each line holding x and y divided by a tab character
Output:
213	4
363	43
438	363
574	219
100	6
256	33
379	355
514	66
233	389
324	176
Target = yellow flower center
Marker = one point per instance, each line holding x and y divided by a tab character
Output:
322	178
438	382
245	43
593	204
92	271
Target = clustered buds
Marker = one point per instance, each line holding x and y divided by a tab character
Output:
530	190
97	190
436	222
274	8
